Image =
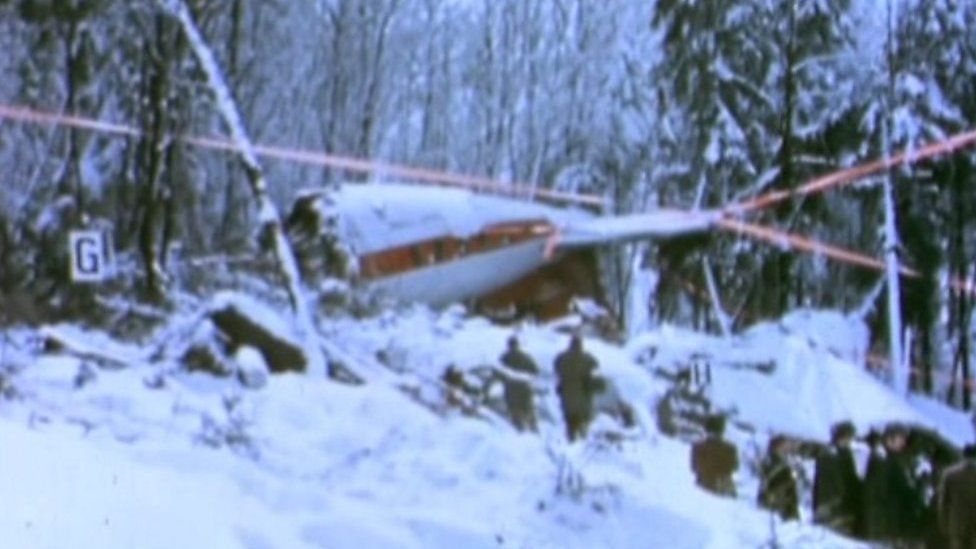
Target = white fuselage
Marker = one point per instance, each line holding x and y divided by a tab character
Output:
465	277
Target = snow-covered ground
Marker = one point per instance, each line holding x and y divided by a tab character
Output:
147	455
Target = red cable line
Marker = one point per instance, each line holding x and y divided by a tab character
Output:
817	185
795	241
849	175
312	157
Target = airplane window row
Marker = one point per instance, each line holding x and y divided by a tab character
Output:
449	248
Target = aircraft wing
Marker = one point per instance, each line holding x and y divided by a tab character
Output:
657	225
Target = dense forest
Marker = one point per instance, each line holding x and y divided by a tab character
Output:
666	103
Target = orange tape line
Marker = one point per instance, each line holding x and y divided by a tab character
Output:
844	255
305	156
849	175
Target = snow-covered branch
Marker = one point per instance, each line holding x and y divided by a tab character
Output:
724	321
267	212
868	304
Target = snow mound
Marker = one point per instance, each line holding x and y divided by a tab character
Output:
797	376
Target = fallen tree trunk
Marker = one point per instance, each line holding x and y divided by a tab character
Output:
56	340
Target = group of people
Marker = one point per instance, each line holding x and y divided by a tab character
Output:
890	503
577	384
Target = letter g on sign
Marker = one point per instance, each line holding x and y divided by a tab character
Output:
89	258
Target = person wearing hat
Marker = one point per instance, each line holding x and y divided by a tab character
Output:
714	460
777	486
957	501
873	504
517	373
575	369
894	506
836	486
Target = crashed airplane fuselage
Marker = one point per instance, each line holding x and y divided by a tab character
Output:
442	245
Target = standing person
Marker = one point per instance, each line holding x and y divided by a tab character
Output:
957	501
896	500
714	460
873	501
941	457
518	386
777	486
574	368
836	485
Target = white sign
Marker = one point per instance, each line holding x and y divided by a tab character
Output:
91	256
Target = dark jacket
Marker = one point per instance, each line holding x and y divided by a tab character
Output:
576	382
873	500
518	392
893	503
837	491
777	488
714	460
957	503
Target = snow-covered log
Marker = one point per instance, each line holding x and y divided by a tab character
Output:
100	349
246	322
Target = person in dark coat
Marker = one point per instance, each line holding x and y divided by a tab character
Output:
777	487
873	503
957	501
940	455
714	460
518	388
894	505
574	368
836	485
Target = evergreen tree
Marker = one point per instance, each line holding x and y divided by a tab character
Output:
933	60
752	93
810	81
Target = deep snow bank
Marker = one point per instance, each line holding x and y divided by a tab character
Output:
799	375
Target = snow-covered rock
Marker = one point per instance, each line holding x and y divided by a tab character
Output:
252	370
246	321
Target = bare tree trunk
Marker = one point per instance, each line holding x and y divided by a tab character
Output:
951	391
155	148
891	236
71	180
894	288
963	353
374	85
959	309
168	232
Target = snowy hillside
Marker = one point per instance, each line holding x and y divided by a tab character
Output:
136	452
